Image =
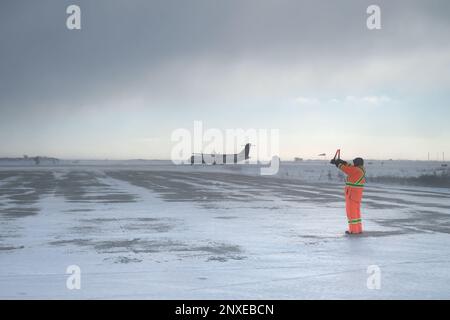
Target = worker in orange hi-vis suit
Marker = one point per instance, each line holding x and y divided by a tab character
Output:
353	191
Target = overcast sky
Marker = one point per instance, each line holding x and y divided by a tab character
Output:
138	70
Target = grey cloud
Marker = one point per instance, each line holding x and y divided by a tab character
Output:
136	46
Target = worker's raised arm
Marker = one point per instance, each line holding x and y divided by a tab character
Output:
344	166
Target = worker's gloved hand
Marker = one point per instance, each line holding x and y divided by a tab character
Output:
339	162
333	161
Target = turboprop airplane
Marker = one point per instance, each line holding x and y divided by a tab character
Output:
217	158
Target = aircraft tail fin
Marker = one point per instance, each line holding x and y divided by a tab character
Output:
244	154
247	151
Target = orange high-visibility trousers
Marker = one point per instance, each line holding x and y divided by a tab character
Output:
353	197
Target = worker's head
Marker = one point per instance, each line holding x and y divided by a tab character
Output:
358	162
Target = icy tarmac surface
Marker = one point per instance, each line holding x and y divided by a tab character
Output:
188	234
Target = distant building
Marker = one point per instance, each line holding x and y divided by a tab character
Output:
27	161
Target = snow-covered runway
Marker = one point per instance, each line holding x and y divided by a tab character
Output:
185	234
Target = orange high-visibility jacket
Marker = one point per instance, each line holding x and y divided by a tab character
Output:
356	178
355	175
